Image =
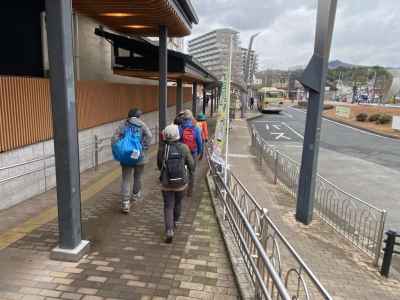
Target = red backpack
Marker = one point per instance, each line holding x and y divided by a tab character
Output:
189	139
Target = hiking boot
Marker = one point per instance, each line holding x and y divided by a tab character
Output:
137	197
169	236
176	223
125	207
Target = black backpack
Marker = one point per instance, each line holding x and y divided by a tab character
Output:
174	166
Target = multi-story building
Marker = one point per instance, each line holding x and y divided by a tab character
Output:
212	51
252	63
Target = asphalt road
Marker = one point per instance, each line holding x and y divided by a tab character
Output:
363	164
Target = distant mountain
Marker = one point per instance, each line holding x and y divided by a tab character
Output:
334	64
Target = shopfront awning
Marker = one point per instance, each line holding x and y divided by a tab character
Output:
139	58
138	17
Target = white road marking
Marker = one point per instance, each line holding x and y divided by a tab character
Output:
277	127
265	121
241	155
350	127
288	115
267	126
294	131
280	135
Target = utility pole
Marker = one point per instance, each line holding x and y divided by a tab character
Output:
314	79
373	88
247	74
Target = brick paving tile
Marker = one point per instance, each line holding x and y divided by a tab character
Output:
128	257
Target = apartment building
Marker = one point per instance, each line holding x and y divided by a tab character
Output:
212	51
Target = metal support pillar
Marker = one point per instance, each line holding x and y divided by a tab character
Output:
212	103
179	96
313	80
63	101
194	99
163	67
217	95
204	99
243	104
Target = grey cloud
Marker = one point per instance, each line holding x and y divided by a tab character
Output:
366	31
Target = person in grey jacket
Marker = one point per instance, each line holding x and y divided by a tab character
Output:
172	193
134	194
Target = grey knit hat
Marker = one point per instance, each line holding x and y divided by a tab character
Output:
171	133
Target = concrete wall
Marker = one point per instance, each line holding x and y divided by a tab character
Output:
41	175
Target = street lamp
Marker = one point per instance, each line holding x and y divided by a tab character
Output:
247	72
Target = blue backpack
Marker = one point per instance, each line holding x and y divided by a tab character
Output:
129	150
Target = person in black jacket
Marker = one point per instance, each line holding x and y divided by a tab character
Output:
175	163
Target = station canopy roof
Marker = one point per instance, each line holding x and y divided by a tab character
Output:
136	57
141	17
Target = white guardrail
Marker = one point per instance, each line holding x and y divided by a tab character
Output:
275	268
358	221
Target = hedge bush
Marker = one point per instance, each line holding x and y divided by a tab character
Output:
362	117
384	119
302	103
328	106
374	117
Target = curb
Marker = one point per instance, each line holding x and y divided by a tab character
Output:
243	280
254	117
362	128
354	126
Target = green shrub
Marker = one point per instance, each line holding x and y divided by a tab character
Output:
362	117
328	106
384	119
374	117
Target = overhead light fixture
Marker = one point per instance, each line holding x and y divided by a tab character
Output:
137	26
118	14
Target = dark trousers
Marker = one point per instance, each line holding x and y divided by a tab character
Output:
191	175
172	207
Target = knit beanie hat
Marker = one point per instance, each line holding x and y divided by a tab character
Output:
135	113
171	133
187	114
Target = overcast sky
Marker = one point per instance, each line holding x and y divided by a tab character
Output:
367	32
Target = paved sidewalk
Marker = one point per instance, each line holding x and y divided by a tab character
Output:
342	269
128	258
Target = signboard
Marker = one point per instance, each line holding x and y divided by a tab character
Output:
222	126
396	122
343	112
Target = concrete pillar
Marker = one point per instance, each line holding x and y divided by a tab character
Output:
62	85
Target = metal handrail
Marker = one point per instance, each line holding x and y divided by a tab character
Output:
253	230
275	277
356	220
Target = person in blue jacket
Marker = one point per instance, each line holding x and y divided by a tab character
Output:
191	136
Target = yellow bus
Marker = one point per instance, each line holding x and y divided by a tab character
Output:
272	99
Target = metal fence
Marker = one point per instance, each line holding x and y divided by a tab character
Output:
276	270
91	155
356	220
